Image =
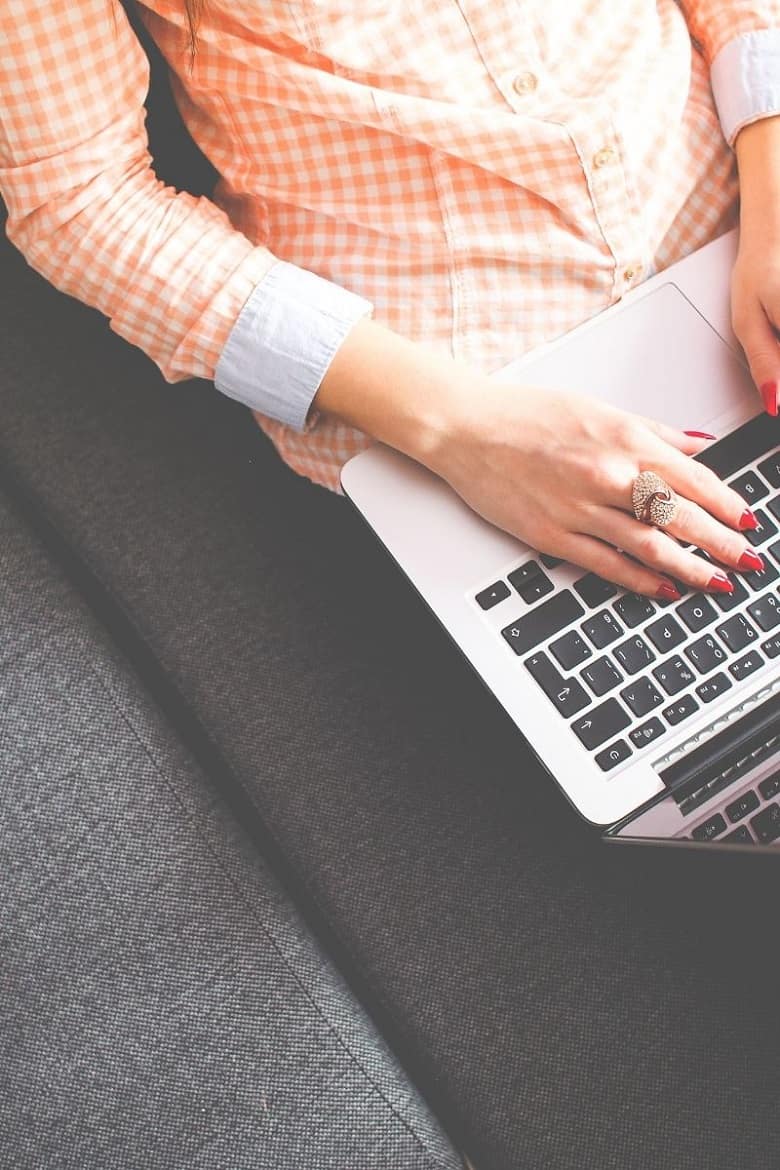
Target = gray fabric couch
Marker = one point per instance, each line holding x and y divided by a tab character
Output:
161	1002
282	883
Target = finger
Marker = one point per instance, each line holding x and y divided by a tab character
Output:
689	442
694	481
693	525
659	551
605	561
759	341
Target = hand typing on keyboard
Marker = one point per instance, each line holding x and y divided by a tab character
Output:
556	470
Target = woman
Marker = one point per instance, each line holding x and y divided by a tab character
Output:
484	175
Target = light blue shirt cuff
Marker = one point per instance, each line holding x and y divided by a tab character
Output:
745	79
284	340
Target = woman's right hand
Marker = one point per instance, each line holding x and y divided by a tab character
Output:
556	470
550	467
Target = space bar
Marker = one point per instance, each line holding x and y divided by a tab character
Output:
543	621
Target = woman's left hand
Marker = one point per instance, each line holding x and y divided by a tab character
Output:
755	287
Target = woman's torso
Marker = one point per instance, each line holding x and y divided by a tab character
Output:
488	174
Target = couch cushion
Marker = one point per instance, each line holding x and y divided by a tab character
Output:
161	1003
564	1005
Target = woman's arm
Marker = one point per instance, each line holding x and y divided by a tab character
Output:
84	206
553	468
755	290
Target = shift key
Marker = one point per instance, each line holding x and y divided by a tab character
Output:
601	723
541	622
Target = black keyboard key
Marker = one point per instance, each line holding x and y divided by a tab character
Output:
737	633
705	654
766	825
750	486
697	612
757	580
674	675
710	829
614	755
634	609
766	528
746	666
774	550
634	654
740	836
766	612
527	572
594	590
733	452
543	621
647	732
550	562
602	629
713	687
602	723
601	676
682	709
530	581
770	469
745	804
770	786
493	595
571	650
728	601
566	693
641	696
665	634
772	646
774	506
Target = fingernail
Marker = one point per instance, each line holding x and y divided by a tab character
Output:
750	560
668	592
748	521
769	395
719	583
699	435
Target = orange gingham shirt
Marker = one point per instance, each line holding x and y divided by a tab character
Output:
487	174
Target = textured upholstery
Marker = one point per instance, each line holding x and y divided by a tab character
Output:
563	1004
161	1003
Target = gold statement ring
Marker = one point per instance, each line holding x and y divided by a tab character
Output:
653	500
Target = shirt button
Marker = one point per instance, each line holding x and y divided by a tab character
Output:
602	158
632	272
525	83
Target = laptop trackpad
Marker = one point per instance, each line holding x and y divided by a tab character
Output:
657	356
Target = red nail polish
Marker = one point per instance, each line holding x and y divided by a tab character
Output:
750	560
699	435
668	592
769	395
719	583
748	521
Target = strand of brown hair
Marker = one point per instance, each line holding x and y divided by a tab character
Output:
194	10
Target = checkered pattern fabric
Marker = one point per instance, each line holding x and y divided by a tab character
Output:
487	173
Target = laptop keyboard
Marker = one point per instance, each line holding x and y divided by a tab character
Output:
751	818
622	669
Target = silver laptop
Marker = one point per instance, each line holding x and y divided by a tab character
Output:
660	722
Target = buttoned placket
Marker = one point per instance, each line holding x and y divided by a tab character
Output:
518	71
604	165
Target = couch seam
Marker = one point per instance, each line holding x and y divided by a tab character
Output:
431	1157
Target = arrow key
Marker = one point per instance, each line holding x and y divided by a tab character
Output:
600	724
